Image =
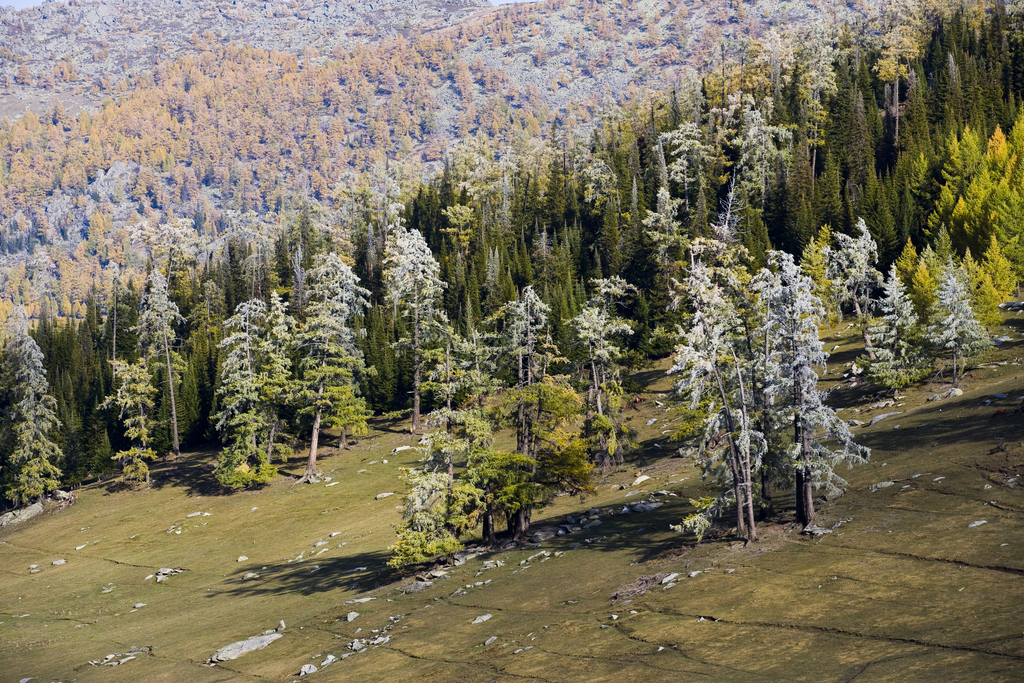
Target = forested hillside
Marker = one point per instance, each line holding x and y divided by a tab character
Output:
239	258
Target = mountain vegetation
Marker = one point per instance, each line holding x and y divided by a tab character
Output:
245	247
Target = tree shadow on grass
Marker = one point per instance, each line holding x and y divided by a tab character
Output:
356	573
192	472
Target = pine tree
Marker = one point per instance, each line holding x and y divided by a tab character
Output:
956	331
596	327
34	459
851	269
330	359
157	337
900	359
821	440
413	284
134	398
243	463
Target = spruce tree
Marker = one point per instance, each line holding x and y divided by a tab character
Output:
134	399
413	283
330	361
157	319
899	357
34	461
956	330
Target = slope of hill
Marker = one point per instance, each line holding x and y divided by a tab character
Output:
906	585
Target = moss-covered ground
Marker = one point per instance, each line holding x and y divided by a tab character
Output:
903	589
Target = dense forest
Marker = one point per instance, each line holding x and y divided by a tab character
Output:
722	222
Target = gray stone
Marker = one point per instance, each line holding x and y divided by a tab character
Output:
351	616
882	485
490	640
879	418
481	619
307	669
855	423
22	515
328	660
648	506
139	605
59	561
236	650
241	558
384	495
541	535
670	578
416	587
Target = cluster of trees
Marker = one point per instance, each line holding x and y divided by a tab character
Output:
510	289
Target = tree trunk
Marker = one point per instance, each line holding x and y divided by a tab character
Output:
343	442
416	372
314	441
174	407
733	458
521	522
270	440
488	532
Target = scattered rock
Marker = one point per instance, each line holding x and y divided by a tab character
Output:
384	495
236	650
140	605
416	587
542	535
307	669
648	506
639	480
881	485
250	575
855	423
241	558
978	523
58	562
813	530
482	618
670	578
879	418
882	404
351	616
400	449
22	515
357	601
950	393
328	660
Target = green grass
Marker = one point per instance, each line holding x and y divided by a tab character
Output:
903	591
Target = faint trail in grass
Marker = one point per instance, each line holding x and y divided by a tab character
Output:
941	560
829	630
469	665
80	554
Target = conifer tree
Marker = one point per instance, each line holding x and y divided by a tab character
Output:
243	463
33	462
413	283
900	359
134	399
157	337
330	359
851	269
821	440
956	331
596	327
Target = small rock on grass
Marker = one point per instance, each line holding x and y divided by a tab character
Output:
307	669
59	561
241	558
978	523
482	618
490	640
351	616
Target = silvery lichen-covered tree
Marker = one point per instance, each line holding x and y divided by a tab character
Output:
330	359
157	318
956	330
820	439
596	327
710	372
899	359
414	287
851	270
34	415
